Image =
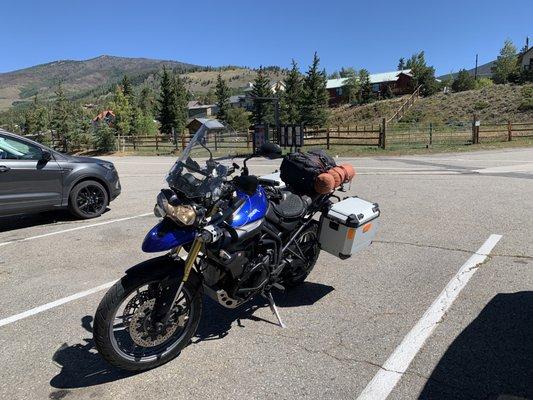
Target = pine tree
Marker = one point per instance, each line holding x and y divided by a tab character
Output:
104	137
127	88
123	112
351	85
36	119
61	117
172	103
146	101
365	87
401	64
506	67
314	111
166	103
291	98
222	94
180	104
262	111
422	74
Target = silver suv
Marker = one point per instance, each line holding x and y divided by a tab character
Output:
36	178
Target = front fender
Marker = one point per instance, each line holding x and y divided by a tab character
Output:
158	267
165	236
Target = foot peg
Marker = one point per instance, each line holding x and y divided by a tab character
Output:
274	309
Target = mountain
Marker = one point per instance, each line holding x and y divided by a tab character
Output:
77	76
484	70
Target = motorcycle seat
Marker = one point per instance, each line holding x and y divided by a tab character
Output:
291	205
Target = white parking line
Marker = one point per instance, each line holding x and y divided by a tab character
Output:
77	228
53	304
391	372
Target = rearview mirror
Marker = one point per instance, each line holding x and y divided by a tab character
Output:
269	150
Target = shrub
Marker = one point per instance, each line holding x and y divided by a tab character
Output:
526	105
483	83
104	138
480	105
463	81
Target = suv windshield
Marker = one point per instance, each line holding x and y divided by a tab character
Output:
197	173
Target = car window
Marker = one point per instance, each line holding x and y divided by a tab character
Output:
13	149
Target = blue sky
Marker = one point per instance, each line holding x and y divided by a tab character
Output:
372	35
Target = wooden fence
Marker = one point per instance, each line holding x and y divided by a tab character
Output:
398	135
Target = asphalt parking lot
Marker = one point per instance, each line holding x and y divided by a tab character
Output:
378	324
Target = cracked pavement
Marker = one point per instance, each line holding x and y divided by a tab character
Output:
342	325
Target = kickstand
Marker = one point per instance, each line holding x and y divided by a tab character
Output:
274	309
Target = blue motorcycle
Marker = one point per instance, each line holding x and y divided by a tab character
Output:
231	238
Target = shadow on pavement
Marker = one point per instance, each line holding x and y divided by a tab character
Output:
82	366
492	358
57	217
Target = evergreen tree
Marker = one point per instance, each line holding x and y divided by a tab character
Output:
401	64
334	75
123	112
290	99
36	119
506	67
180	104
222	94
61	120
365	87
422	74
314	111
262	110
146	101
127	88
172	103
351	85
347	72
104	137
463	81
238	119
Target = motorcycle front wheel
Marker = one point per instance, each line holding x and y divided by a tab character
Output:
124	334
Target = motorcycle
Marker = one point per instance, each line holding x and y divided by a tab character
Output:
230	238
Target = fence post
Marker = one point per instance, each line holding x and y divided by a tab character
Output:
216	145
183	140
156	142
133	140
118	142
327	138
475	131
430	133
383	133
509	131
248	137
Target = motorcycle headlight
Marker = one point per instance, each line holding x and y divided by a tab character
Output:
182	213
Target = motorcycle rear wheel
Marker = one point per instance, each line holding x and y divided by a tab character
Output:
122	328
307	244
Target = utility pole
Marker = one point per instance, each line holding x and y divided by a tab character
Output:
475	71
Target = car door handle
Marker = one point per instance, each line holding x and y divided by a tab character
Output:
3	168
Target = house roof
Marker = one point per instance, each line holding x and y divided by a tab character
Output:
209	123
374	78
193	103
236	99
202	106
103	114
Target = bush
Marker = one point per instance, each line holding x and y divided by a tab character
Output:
483	83
526	105
480	105
463	81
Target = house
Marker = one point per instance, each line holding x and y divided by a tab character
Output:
527	59
212	124
237	101
400	83
107	116
195	109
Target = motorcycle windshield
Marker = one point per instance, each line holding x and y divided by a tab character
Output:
204	163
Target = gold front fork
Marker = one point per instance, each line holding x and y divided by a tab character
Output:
191	257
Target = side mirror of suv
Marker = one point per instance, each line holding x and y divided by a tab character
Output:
45	155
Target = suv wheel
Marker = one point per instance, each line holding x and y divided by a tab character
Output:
88	199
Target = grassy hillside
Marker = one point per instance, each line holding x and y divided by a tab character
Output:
93	79
494	104
76	76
